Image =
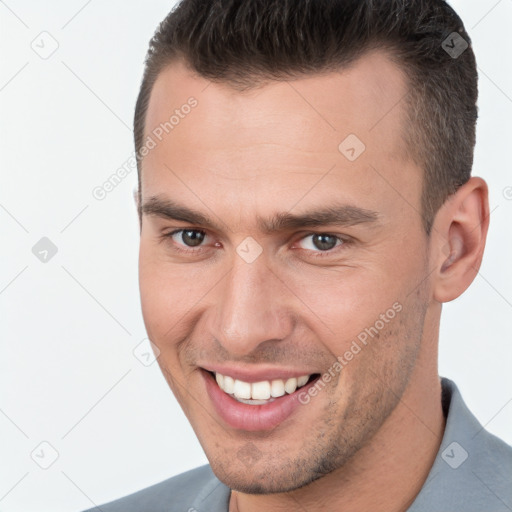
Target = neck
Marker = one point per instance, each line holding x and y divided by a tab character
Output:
389	471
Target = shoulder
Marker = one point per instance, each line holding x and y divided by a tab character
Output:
178	493
473	468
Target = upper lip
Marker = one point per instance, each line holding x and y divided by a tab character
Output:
261	373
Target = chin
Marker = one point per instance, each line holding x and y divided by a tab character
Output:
269	486
281	480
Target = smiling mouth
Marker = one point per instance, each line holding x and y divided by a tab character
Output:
262	392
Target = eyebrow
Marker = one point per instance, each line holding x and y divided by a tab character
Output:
170	210
340	215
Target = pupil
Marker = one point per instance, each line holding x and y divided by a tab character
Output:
192	237
324	242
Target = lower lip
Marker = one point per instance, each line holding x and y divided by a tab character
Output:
252	417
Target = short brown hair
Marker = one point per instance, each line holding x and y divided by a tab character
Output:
246	42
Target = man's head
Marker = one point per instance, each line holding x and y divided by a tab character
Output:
304	214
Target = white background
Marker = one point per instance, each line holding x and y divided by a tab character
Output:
69	326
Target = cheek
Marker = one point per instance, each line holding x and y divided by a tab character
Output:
346	302
163	313
161	292
172	295
361	303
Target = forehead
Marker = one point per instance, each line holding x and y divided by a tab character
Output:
366	96
283	135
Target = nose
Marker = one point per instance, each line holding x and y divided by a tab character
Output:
252	308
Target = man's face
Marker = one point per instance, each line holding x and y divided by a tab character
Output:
306	252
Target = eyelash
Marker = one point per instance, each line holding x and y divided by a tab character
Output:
316	254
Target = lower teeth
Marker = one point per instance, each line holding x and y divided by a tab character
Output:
253	402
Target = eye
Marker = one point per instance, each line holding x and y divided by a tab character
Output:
320	242
188	237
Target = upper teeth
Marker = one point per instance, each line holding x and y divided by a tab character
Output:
262	390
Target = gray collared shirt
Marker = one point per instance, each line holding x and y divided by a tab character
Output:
471	473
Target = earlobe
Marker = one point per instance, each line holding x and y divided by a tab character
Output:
461	230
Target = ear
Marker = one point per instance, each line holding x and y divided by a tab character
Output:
458	239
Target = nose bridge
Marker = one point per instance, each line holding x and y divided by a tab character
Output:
251	308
